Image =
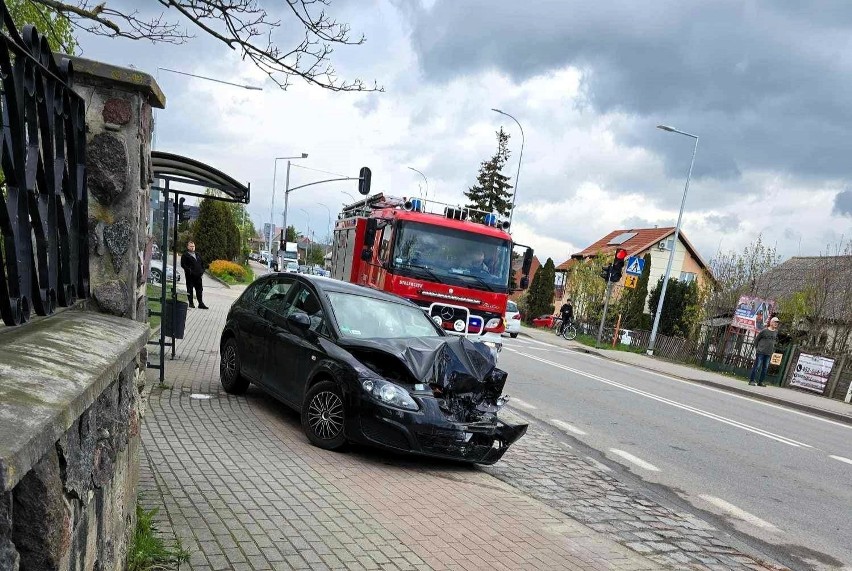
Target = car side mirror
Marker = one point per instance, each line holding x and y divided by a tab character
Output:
370	232
528	260
525	282
300	322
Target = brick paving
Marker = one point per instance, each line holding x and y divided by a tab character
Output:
236	480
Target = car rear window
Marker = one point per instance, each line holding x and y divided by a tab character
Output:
511	306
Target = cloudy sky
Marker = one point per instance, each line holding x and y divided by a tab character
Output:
764	84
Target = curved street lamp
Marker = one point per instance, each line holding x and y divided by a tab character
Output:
424	178
520	158
272	206
650	349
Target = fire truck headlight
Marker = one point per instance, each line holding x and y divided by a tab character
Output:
493	322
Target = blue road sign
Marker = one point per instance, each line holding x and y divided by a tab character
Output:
635	266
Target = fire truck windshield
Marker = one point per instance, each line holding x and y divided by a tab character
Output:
447	255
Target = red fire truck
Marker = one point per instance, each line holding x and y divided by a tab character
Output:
458	270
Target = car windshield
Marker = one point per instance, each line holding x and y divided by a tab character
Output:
452	256
363	317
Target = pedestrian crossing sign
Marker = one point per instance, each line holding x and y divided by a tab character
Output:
630	281
635	265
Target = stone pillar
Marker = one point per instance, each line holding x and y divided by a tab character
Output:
119	121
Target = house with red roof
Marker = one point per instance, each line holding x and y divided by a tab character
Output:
687	264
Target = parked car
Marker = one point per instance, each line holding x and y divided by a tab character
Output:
292	267
544	321
365	366
513	319
155	273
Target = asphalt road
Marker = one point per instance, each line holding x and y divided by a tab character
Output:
776	474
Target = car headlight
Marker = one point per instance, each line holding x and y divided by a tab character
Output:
389	393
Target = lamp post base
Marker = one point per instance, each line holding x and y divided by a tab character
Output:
649	352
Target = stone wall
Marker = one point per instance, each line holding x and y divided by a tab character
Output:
70	384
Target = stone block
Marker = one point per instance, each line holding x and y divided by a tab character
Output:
43	537
117	111
77	448
107	166
112	297
117	241
9	558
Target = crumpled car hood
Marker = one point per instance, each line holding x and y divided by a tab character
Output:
455	364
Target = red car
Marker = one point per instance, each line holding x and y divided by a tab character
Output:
544	321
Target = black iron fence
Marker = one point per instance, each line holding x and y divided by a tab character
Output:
43	206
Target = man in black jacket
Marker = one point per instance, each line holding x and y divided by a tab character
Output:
193	269
764	344
567	314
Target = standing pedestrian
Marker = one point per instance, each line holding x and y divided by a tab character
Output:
193	269
764	344
567	314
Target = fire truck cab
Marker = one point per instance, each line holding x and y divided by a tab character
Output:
457	269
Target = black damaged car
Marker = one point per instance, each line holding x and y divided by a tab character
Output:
365	366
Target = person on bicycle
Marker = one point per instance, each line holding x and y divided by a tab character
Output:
567	314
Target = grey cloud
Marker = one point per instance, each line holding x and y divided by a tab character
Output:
760	82
843	203
724	222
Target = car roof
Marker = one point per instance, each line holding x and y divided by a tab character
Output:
325	284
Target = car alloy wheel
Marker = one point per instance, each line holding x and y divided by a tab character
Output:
229	369
325	415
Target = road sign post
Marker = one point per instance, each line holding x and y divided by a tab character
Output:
603	317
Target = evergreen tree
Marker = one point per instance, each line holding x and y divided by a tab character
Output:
633	300
540	297
491	192
681	297
215	234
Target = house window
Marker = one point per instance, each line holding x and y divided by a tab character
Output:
687	277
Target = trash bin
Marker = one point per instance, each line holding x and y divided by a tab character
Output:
174	328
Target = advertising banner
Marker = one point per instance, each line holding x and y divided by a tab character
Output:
812	372
753	313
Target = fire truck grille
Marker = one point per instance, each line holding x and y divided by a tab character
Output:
450	315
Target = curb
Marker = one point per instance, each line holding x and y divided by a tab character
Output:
215	279
838	417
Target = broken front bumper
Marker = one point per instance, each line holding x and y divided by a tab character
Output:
429	432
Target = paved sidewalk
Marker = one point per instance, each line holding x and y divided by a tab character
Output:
807	402
236	480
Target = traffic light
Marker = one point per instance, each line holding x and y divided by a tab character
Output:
618	265
183	211
605	273
364	181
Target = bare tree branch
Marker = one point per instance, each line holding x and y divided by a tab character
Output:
242	25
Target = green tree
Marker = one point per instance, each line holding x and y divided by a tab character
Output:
539	300
586	288
215	235
632	302
58	29
491	192
679	308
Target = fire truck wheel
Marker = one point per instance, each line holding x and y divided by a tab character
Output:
229	369
323	416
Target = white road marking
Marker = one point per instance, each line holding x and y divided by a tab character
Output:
738	513
842	459
716	390
521	403
706	414
634	460
599	465
567	427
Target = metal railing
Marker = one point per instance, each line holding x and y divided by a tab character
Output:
43	206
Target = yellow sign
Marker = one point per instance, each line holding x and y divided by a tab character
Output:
776	358
631	281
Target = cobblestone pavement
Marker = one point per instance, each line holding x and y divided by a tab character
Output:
236	480
546	469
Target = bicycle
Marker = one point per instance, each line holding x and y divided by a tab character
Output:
569	332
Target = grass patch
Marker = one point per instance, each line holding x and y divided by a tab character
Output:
591	341
147	551
153	293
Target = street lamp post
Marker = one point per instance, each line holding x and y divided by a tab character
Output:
650	350
328	229
272	207
424	178
308	234
352	198
520	158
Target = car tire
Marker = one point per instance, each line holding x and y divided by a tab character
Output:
324	416
232	380
513	335
156	276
